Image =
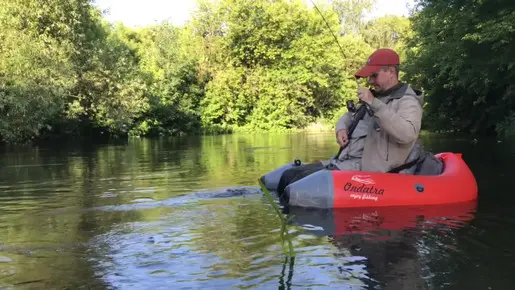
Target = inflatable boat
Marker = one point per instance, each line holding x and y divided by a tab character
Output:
346	189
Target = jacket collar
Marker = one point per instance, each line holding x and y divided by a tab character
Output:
395	92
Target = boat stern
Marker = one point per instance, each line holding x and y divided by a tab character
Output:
271	179
315	190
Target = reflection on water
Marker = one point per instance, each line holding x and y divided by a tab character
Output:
230	243
188	213
394	244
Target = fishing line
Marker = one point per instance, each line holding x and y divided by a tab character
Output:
329	27
350	105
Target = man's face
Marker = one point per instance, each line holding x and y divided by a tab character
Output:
381	80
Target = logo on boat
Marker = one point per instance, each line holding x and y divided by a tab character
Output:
365	179
363	189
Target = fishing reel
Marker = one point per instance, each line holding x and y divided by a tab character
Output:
351	107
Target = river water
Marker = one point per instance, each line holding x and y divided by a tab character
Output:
187	213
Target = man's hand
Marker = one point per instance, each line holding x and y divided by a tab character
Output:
342	138
365	95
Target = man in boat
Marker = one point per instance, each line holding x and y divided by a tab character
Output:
396	109
384	139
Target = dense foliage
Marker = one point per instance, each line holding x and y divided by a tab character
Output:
461	53
243	65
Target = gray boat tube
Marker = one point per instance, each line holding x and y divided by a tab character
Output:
271	179
313	191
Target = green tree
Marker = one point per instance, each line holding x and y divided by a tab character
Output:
352	14
387	31
283	68
170	64
34	70
237	65
461	54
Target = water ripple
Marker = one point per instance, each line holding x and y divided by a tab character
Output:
215	253
184	213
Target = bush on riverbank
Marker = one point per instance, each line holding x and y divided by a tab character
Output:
258	66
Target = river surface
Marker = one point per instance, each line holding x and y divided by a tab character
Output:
187	213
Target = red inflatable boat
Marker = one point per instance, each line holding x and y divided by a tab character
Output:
344	189
455	184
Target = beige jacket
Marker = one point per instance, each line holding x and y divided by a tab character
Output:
392	130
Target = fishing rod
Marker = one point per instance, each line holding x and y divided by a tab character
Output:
363	108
